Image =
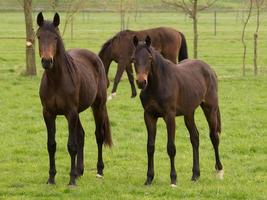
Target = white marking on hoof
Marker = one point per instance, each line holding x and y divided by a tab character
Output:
99	176
173	185
220	174
109	97
72	186
113	94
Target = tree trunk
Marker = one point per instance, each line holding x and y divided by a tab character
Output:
243	39
258	3
30	39
255	54
194	16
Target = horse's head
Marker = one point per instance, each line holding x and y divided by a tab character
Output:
142	59
48	37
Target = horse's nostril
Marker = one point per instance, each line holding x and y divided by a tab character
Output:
47	62
145	82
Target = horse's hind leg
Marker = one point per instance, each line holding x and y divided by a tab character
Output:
73	118
129	71
80	141
98	116
171	149
51	144
211	113
194	138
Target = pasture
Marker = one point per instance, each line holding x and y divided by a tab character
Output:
243	147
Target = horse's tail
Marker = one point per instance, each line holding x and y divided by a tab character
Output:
219	127
106	128
183	49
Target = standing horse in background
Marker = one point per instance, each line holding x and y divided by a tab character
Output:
170	90
169	42
72	81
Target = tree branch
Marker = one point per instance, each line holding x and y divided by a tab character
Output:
206	6
178	5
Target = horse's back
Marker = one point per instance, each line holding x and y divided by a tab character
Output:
92	75
200	75
166	40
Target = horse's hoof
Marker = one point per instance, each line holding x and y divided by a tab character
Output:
72	182
99	176
220	174
148	182
72	185
194	178
133	95
113	94
173	185
51	182
109	98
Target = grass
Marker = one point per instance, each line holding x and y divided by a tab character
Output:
24	158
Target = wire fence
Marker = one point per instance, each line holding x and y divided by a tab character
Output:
218	29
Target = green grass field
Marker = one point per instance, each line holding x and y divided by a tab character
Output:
24	158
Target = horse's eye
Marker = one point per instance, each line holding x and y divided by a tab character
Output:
55	38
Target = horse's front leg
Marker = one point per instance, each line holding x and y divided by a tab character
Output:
151	125
171	149
120	70
80	141
129	71
73	118
51	144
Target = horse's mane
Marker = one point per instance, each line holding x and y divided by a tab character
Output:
105	46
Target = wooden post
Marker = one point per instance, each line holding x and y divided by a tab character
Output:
71	29
30	39
255	54
237	16
215	22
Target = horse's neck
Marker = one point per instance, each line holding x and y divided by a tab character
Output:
61	69
157	76
106	59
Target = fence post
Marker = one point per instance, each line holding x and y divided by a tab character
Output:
215	22
237	16
71	29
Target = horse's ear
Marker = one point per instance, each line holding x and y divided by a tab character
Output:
135	41
40	19
56	20
148	41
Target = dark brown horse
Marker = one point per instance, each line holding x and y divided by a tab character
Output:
170	90
72	81
169	42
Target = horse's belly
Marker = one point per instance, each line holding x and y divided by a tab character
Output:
88	92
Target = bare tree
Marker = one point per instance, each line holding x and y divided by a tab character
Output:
191	8
243	37
73	8
258	4
125	6
30	39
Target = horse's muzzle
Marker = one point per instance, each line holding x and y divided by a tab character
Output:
141	84
47	63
